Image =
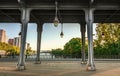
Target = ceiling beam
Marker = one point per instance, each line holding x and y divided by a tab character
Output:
61	7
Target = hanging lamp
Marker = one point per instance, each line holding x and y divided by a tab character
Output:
56	21
61	34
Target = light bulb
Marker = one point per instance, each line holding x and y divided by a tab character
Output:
61	34
56	21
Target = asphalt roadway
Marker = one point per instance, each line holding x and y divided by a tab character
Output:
61	68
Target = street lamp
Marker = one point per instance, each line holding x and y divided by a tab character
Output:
103	35
56	21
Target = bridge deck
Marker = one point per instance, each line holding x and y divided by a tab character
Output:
60	68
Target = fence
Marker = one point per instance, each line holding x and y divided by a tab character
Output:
62	57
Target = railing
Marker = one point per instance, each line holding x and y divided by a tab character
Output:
62	57
107	56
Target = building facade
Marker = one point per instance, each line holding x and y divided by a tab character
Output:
3	37
11	41
17	41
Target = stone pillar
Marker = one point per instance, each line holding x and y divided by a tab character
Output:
25	13
83	29
39	33
89	20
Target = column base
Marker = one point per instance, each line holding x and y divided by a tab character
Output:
20	67
84	62
91	68
37	62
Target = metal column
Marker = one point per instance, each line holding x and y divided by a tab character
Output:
25	13
83	29
89	21
39	33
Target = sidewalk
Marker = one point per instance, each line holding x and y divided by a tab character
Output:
61	68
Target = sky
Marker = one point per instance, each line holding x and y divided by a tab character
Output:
50	38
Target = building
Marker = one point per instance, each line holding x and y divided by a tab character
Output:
17	41
7	38
2	53
27	45
11	41
3	37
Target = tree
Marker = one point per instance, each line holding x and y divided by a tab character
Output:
57	52
108	32
73	47
28	51
108	41
10	49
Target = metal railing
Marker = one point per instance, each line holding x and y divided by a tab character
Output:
62	57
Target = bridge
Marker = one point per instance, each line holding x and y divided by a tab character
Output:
85	12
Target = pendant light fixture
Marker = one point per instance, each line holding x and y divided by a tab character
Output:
56	21
61	34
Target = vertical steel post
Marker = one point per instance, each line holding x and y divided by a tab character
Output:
89	21
39	33
25	13
83	29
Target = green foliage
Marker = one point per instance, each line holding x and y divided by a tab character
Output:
108	32
73	47
57	52
10	50
108	42
28	51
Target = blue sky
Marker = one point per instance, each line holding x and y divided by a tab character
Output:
50	36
